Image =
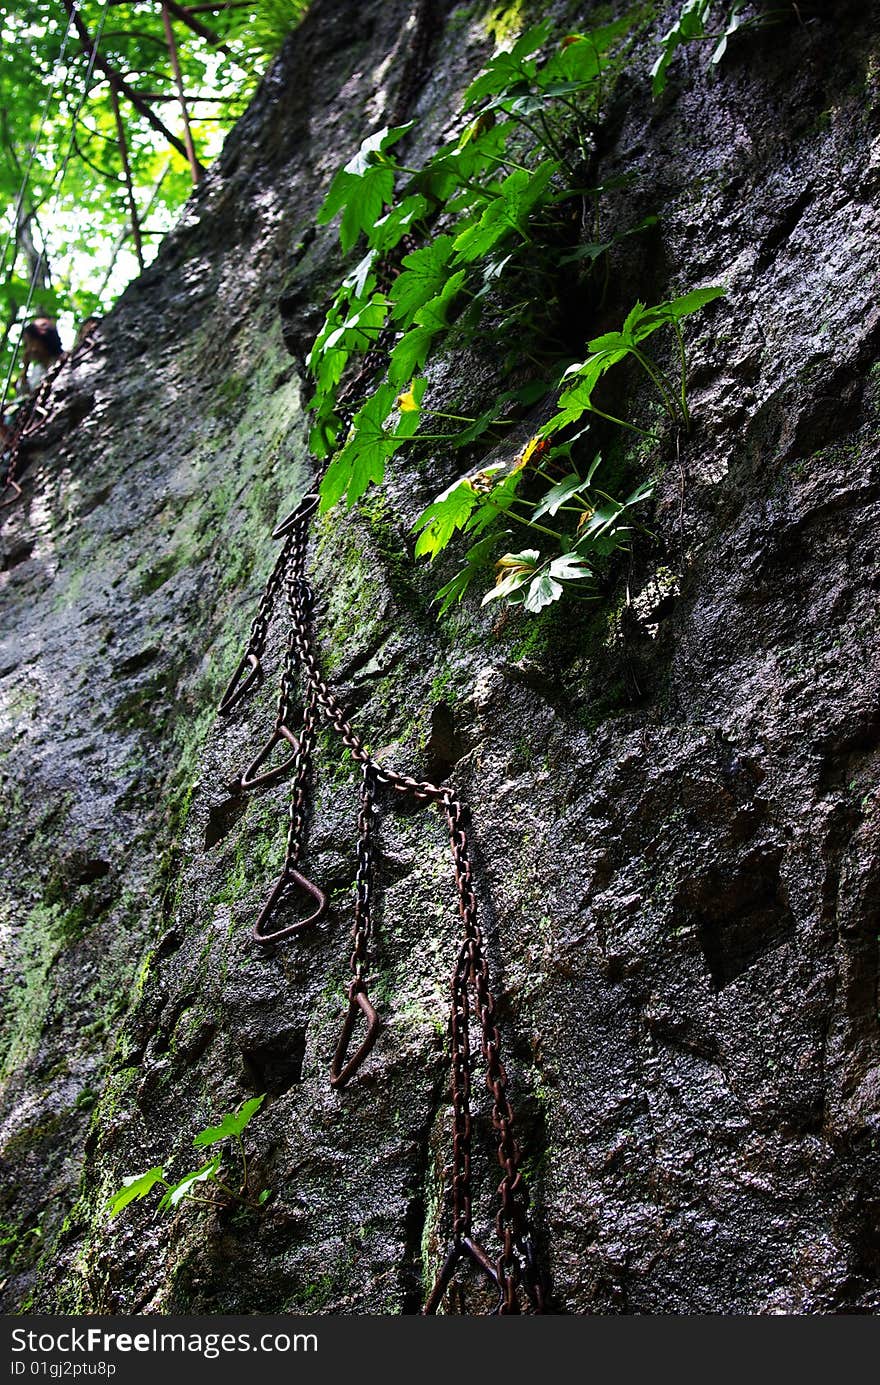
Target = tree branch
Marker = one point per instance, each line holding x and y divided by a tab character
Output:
119	83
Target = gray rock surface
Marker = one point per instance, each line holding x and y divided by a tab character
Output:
674	803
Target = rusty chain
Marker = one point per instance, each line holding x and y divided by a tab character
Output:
31	416
516	1265
291	882
358	996
249	669
255	776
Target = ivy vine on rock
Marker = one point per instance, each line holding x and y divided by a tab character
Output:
478	254
207	1184
697	22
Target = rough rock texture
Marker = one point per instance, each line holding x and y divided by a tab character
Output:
675	806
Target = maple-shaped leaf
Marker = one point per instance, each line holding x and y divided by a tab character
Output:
136	1186
231	1125
444	516
422	277
361	463
413	349
507	212
362	188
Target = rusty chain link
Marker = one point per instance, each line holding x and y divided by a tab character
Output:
291	882
31	416
255	776
28	421
358	996
472	995
249	669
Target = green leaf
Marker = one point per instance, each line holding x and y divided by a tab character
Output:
188	1182
600	521
494	504
592	251
422	277
359	331
507	212
477	559
435	313
477	153
506	71
344	187
691	24
230	1125
734	20
579	63
135	1187
570	568
531	40
691	302
389	230
642	322
362	188
642	492
558	494
578	399
444	516
364	206
411	352
362	460
542	592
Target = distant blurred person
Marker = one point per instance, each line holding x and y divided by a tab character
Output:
42	350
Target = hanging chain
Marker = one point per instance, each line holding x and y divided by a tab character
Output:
255	777
249	669
471	989
358	996
291	878
30	417
516	1262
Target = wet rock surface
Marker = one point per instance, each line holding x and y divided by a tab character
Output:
674	805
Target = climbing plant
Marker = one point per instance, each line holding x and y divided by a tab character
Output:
706	21
195	1185
476	250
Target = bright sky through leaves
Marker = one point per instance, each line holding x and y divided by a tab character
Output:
50	103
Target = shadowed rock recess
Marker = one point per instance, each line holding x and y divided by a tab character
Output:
673	792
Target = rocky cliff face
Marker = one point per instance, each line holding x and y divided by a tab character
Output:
674	803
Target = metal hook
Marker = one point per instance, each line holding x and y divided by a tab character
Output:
465	1248
303	511
288	877
240	682
357	1000
251	780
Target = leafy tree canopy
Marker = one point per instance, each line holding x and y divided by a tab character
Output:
71	216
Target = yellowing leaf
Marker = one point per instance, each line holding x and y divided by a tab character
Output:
534	446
